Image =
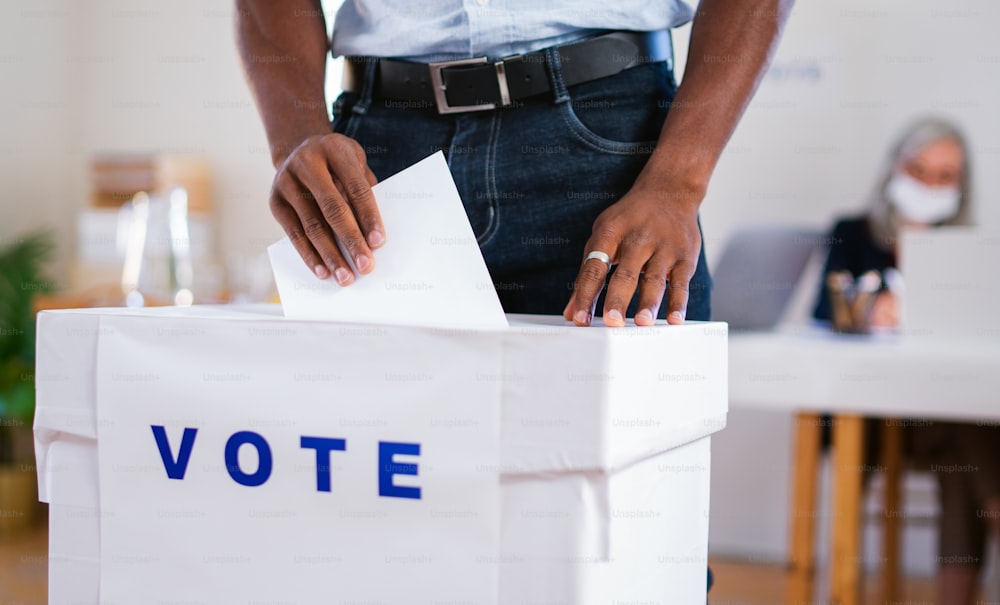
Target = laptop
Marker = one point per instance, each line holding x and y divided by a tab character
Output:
951	287
758	273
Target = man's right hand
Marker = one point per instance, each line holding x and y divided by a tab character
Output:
322	192
321	195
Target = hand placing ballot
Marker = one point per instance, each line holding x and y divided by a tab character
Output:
431	271
622	174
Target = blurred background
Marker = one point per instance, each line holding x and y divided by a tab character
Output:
103	98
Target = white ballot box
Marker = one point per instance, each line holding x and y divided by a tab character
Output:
229	455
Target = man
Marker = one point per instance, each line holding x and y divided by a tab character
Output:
568	139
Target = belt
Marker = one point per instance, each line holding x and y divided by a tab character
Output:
478	84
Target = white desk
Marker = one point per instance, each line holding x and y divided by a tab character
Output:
809	370
812	369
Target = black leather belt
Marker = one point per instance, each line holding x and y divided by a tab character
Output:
477	84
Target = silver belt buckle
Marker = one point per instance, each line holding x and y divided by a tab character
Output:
441	99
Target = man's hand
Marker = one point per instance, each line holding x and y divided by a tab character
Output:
321	195
652	233
322	190
653	238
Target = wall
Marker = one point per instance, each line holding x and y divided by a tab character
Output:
166	75
848	75
40	148
136	75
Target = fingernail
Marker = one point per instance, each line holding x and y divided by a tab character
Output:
375	239
645	314
362	262
582	317
321	271
343	276
677	315
615	316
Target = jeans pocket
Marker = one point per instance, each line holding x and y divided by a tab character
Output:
586	135
622	114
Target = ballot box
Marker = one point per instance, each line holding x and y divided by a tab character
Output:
230	455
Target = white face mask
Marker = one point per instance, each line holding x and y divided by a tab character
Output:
922	203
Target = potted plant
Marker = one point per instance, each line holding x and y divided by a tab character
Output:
20	281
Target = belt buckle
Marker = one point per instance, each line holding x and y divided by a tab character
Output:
441	99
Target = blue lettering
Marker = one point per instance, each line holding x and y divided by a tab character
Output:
323	447
175	467
263	458
388	467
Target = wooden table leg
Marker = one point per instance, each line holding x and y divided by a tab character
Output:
801	548
848	452
892	461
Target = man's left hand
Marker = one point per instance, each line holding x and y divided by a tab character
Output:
652	235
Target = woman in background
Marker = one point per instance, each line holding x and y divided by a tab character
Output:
926	185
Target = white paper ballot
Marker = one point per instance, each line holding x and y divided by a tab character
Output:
430	272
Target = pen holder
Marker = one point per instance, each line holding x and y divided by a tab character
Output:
851	301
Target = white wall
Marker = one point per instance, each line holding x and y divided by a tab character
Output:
40	153
166	75
84	76
848	75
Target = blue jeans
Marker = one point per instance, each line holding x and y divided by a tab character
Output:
533	177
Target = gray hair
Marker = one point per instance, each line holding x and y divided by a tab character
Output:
883	219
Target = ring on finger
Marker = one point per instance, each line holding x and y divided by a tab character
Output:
601	256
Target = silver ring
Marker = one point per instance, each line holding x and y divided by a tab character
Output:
601	256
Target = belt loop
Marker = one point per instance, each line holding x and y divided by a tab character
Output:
670	55
554	63
364	101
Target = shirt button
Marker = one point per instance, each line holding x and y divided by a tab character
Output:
482	2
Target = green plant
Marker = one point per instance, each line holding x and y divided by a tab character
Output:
21	279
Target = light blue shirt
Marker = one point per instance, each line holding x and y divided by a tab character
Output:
436	30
